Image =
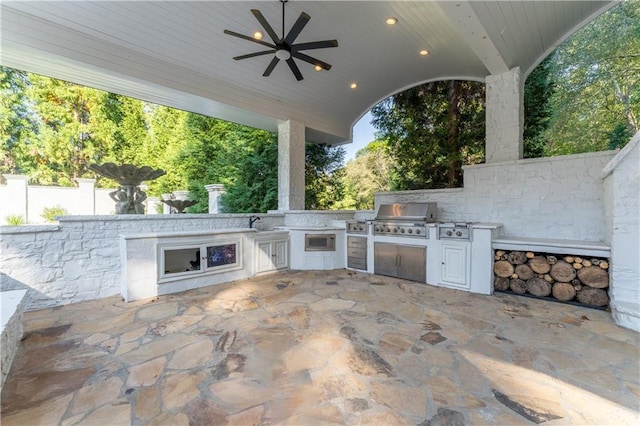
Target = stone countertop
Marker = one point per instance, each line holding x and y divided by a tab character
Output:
308	228
198	233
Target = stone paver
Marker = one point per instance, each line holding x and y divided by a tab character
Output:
323	347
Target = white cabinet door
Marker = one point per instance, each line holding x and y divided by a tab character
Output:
281	254
455	264
272	255
264	259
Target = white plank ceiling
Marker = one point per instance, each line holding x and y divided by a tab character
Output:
175	52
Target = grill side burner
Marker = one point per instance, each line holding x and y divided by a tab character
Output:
455	231
357	227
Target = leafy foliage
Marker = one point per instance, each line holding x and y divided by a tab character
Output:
432	130
15	220
369	172
596	75
323	176
50	213
17	124
538	90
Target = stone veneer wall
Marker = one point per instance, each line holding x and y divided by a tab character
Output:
79	259
552	197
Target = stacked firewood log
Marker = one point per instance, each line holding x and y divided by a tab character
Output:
565	278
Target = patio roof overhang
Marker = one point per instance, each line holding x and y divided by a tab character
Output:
175	53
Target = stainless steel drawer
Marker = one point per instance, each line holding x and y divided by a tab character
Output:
357	252
357	263
357	242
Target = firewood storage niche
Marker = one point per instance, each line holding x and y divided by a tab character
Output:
565	278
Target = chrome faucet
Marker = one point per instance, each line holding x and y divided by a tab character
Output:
252	220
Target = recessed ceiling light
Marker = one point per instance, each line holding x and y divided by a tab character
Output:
391	20
424	52
257	35
354	86
318	68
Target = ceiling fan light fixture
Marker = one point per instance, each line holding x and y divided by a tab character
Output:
424	52
353	86
258	35
318	68
283	54
391	20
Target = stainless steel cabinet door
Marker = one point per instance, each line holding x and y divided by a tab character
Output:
412	263
385	259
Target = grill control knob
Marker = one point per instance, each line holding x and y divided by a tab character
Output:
459	234
402	230
395	229
449	233
418	231
377	229
410	231
387	229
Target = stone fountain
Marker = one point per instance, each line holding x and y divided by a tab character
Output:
179	205
129	197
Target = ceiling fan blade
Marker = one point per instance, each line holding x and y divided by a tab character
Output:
244	37
251	55
315	45
297	27
312	61
265	25
271	66
294	69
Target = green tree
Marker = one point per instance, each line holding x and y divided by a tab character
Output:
323	176
131	128
432	130
167	139
18	123
596	74
369	172
73	132
538	90
255	187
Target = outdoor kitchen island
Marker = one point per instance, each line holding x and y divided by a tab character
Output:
406	241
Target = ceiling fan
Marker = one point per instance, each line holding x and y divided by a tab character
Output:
283	47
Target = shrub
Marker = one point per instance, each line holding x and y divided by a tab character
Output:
15	220
50	213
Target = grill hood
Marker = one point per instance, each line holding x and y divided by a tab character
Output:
421	212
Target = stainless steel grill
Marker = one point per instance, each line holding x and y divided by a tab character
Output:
404	220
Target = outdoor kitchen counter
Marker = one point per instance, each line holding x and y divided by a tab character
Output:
584	248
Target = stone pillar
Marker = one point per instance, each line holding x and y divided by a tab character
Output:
86	196
15	202
504	116
166	209
291	141
181	195
152	205
215	191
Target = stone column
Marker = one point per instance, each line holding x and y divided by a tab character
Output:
15	202
181	195
86	196
166	209
215	191
504	116
291	141
152	205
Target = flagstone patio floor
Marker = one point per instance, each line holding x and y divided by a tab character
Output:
323	347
